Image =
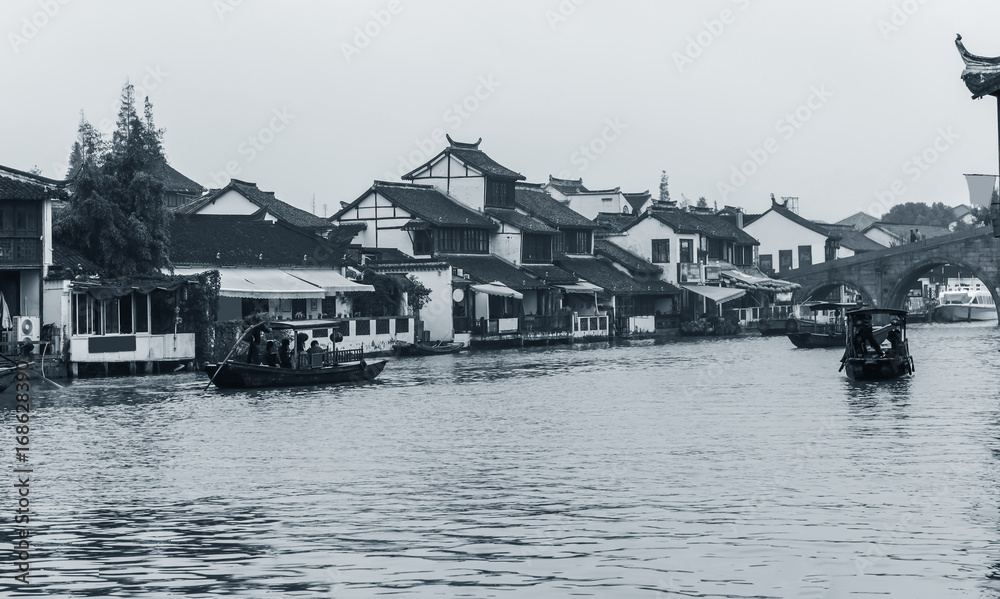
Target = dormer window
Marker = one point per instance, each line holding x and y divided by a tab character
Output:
499	193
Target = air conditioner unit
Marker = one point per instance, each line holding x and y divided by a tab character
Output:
27	328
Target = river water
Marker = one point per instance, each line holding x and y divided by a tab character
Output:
710	468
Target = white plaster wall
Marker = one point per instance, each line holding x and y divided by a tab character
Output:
775	232
31	293
881	237
591	205
47	233
506	243
231	202
436	314
387	232
56	304
639	241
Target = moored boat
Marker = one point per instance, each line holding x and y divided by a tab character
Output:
818	330
426	348
865	359
324	367
964	306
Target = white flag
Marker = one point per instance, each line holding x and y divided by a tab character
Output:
981	189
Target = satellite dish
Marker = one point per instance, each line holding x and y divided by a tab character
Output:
458	295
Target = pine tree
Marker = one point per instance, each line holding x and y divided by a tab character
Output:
664	187
117	216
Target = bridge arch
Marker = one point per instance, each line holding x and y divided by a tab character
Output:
896	297
820	290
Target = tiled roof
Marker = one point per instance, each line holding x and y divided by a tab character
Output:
345	233
553	275
551	211
470	154
265	199
431	205
19	185
521	221
614	223
486	269
633	263
613	280
902	230
68	262
231	241
715	227
638	200
801	221
859	220
175	181
568	186
385	255
854	240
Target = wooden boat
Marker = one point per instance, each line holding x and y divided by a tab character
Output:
401	348
320	368
861	361
810	332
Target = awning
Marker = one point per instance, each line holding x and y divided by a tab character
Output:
755	283
261	283
498	288
581	287
330	281
716	294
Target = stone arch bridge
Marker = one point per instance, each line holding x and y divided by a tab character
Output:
884	277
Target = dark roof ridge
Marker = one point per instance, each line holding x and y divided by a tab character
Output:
401	184
34	178
463	145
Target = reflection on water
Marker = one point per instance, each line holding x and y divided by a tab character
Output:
722	468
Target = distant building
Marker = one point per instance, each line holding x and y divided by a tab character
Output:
588	202
243	198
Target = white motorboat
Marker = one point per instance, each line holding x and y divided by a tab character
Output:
965	305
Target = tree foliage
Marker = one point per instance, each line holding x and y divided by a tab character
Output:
116	215
388	295
664	187
936	214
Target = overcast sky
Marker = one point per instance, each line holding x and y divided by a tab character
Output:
829	101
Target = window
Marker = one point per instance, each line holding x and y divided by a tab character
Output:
536	249
125	315
423	243
805	255
686	255
466	241
784	260
141	313
499	193
765	263
661	251
576	241
831	249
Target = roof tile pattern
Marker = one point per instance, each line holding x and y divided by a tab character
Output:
549	210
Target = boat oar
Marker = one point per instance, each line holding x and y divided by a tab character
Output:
235	345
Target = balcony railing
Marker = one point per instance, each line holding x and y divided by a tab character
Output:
20	250
547	323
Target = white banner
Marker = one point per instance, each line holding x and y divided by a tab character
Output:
981	189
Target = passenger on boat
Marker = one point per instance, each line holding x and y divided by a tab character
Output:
285	354
895	338
253	353
270	354
863	335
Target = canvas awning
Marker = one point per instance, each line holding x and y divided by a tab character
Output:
581	287
716	294
261	283
330	281
497	288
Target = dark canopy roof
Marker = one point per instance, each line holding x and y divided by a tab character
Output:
245	241
549	210
470	154
521	221
613	280
19	185
486	269
633	263
263	199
